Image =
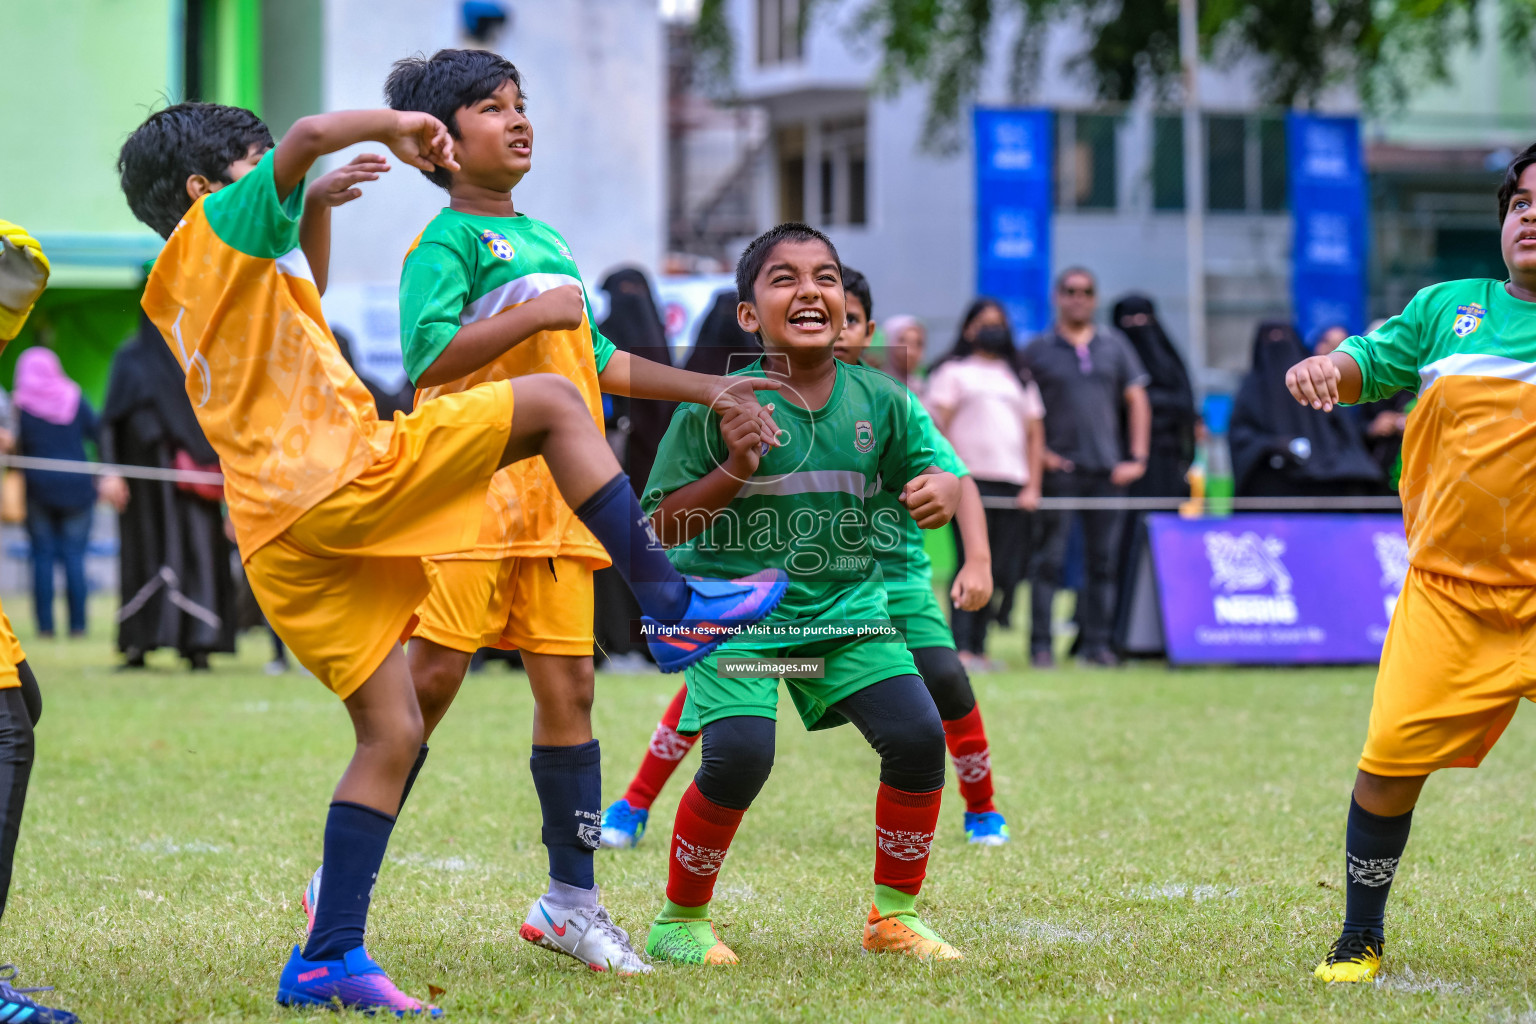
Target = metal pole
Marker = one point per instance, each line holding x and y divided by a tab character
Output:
1194	188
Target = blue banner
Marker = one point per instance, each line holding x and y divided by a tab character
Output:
1326	176
1277	589
1014	160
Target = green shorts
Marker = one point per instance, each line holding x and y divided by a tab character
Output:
851	665
915	611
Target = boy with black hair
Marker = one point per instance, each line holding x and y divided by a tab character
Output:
1455	663
913	609
489	294
24	271
723	499
334	510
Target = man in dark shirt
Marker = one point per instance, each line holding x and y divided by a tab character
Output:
1094	390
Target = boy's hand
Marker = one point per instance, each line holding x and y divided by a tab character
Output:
932	498
973	587
742	429
1315	381
560	309
421	140
336	188
741	393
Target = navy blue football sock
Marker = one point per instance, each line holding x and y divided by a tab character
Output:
1372	847
355	839
615	517
410	780
569	781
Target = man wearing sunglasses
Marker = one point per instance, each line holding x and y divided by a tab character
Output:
1098	426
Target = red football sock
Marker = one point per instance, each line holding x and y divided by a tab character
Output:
701	835
966	739
668	748
904	827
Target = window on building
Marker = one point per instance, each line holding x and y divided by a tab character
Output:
1272	157
844	167
1168	162
1226	163
789	145
779	32
1086	168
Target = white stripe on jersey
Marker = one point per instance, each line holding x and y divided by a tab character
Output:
1474	364
295	264
814	481
514	293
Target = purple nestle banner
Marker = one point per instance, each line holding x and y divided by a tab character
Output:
1277	589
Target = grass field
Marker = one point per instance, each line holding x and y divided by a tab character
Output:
1176	856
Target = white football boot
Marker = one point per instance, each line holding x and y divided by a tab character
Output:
586	935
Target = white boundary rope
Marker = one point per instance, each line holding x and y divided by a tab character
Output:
187	476
1381	503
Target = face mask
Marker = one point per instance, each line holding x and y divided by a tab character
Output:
994	340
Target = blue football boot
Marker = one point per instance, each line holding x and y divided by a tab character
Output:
717	609
623	825
354	982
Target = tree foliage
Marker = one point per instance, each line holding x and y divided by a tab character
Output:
1300	48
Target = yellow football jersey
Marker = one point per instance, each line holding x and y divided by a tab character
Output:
233	295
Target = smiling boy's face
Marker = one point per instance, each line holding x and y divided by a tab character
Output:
495	140
797	298
1518	237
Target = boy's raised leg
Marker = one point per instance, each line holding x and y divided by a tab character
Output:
551	419
333	966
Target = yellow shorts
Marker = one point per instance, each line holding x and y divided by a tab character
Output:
539	605
341	583
11	654
1458	658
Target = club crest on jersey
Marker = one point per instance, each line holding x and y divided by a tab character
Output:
864	436
1468	319
498	244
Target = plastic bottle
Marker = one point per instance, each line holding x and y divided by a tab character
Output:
1218	455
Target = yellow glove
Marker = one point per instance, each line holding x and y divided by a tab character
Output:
23	276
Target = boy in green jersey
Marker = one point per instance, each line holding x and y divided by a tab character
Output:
1456	661
489	294
914	611
723	499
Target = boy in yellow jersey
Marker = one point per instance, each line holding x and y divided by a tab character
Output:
490	294
23	276
1457	658
334	510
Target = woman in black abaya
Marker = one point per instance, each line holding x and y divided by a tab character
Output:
177	586
1281	448
1172	398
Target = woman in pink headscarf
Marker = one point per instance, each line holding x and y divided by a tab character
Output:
54	422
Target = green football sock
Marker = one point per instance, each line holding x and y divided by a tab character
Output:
895	903
672	912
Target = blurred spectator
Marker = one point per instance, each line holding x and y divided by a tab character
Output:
905	340
177	587
1097	434
635	427
994	421
1325	339
53	422
1281	448
722	345
1170	395
1172	450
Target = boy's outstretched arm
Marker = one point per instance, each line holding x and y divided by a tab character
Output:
690	509
973	583
419	139
1325	381
637	377
932	497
